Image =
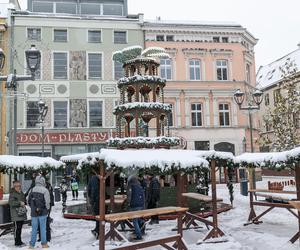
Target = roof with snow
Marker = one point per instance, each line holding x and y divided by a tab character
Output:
269	75
192	23
78	157
11	163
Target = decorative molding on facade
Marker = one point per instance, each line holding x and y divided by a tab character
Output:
108	89
47	89
190	52
221	52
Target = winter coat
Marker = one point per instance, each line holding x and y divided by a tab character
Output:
50	189
74	182
135	193
93	190
154	191
39	198
14	202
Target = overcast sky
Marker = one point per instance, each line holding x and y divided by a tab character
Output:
276	23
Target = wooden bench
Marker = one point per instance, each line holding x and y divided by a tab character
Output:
190	219
255	219
295	204
113	233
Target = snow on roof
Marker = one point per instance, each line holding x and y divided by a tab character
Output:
8	163
78	157
278	160
165	159
270	74
190	22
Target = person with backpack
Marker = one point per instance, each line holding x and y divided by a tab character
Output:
75	185
18	211
39	202
136	201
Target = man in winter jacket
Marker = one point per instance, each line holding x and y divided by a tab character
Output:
136	201
93	194
18	211
39	202
153	196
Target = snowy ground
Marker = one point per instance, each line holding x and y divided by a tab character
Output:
278	227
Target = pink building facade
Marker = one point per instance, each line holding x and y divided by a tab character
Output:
208	63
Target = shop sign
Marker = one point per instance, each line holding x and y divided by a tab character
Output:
63	138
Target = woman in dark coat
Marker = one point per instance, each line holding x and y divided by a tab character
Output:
18	212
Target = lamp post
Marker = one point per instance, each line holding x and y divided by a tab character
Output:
33	59
43	110
253	104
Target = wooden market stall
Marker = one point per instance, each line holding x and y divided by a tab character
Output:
276	161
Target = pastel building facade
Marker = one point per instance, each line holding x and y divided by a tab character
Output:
208	62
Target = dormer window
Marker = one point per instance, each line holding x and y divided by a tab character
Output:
216	39
160	38
170	38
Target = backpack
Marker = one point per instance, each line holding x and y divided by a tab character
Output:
37	203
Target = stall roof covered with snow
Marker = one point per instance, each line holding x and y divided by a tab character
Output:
273	160
21	164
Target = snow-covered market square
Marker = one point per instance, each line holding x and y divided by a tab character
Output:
135	124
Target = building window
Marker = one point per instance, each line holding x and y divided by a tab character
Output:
194	66
160	38
60	114
196	109
90	9
94	36
170	38
46	7
60	35
201	145
112	9
216	39
224	114
166	69
267	99
68	8
94	65
120	37
118	70
32	114
222	70
170	117
60	65
224	39
34	34
248	73
95	113
276	95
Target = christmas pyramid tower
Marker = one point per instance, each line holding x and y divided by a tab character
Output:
141	101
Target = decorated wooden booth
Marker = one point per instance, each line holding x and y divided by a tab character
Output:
274	198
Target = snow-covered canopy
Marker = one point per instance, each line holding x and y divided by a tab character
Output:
12	163
142	105
139	78
276	160
164	159
78	157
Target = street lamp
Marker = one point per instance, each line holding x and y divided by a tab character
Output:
257	97
33	60
43	110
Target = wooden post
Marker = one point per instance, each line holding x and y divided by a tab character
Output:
214	196
250	177
102	206
179	189
215	231
297	179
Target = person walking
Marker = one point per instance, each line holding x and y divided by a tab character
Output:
153	196
136	201
63	190
75	185
93	195
18	211
39	202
